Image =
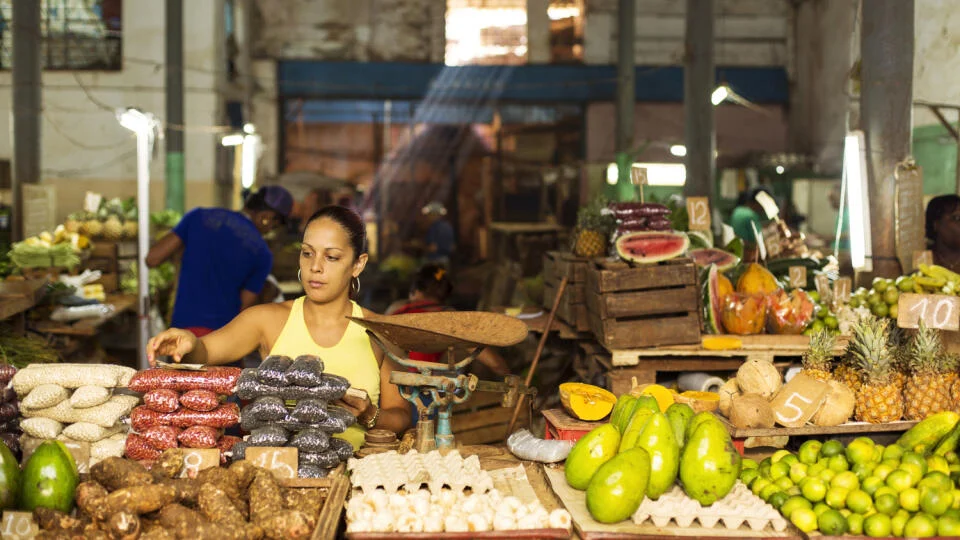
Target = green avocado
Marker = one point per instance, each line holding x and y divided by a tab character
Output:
617	489
709	464
49	478
9	479
590	452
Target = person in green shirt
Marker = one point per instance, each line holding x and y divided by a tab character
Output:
748	214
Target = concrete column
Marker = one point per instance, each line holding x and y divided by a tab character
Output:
538	32
626	93
175	196
886	46
27	101
699	80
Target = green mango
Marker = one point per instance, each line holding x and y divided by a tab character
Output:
647	402
698	419
49	478
589	453
625	404
658	440
634	429
9	479
680	415
617	489
709	464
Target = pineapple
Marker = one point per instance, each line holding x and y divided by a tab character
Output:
819	357
72	224
848	374
878	399
593	228
900	345
927	390
112	228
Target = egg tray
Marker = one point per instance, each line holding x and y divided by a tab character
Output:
739	507
392	471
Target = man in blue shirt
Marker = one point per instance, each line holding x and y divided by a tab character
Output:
440	239
225	258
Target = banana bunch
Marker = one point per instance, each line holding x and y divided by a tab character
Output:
935	279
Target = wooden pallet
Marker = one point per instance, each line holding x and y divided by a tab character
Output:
763	346
643	306
482	420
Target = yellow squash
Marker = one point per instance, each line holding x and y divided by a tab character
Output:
586	401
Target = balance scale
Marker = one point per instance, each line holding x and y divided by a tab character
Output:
461	335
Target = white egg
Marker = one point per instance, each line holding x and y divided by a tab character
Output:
359	526
409	523
378	500
521	512
419	506
511	503
471	505
477	523
398	502
382	522
559	519
504	522
447	498
529	521
433	523
455	523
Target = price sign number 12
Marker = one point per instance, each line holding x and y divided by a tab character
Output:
935	310
698	211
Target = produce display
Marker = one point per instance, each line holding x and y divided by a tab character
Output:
60	249
182	408
391	472
74	402
9	411
904	489
115	219
291	407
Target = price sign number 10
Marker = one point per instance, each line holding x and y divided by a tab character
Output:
936	311
18	525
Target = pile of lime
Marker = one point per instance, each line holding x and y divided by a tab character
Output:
861	489
825	318
883	297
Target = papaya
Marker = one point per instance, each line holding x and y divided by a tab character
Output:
658	440
9	479
589	453
49	478
949	443
680	415
709	464
624	404
634	429
924	436
617	489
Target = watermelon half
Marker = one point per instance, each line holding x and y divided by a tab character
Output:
647	247
711	302
724	260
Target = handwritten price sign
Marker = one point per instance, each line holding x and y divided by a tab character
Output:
698	210
18	526
935	310
282	461
798	400
841	290
922	257
798	277
198	459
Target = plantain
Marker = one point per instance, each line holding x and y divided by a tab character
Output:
929	282
924	436
949	443
937	271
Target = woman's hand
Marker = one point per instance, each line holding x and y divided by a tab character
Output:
174	342
359	406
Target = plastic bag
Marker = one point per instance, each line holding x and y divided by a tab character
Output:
238	451
309	411
273	369
93	311
310	440
220	380
525	446
265	409
45	395
199	437
306	370
342	448
161	437
337	421
138	448
162	400
223	416
6	373
87	432
89	396
41	428
7	395
331	388
312	471
326	460
789	313
226	445
10	426
268	436
200	400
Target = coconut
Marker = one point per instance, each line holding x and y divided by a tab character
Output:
751	411
728	391
757	376
837	407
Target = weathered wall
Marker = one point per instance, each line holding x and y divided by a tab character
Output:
936	57
748	32
358	30
83	146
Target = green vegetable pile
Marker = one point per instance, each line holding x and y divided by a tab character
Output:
18	351
165	219
159	279
27	255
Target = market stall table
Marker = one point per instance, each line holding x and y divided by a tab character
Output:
89	327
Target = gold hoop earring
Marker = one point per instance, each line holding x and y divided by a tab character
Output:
356	290
298	276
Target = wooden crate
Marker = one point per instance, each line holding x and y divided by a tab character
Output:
557	264
572	309
643	306
481	420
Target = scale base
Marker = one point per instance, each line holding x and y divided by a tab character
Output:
426	440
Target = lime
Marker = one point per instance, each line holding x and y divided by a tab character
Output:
790	459
748	463
769	491
953	512
783	483
816	326
832	523
793	491
855	524
859	501
831	448
863	470
893	311
913	470
820	508
798	471
936	480
938	464
887	504
859	451
856	301
847	480
952	457
837	498
747	476
894	451
779	455
918	459
891	295
948	526
956	499
759	484
934	501
871	484
826	475
899	521
814	296
815	469
878	453
778	499
794	503
814	489
892	463
900	480
920	526
821	311
838	463
882	470
910	499
877	525
809	452
804	519
880	310
766	462
874	298
884	490
880	284
831	322
905	284
778	470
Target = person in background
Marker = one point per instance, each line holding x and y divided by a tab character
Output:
315	199
746	215
225	260
943	230
333	255
440	240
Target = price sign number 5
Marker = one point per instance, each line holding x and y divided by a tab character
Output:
698	211
935	310
796	405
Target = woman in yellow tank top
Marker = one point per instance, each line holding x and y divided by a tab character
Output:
332	257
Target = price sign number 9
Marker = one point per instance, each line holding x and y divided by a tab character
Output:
698	211
934	310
